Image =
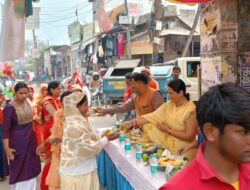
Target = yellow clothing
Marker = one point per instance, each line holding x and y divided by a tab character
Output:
175	118
236	185
87	181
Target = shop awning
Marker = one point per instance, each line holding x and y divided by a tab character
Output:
177	31
131	63
87	42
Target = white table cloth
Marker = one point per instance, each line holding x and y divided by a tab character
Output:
137	174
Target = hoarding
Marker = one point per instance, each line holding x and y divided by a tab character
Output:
139	7
33	21
107	12
87	31
74	31
244	70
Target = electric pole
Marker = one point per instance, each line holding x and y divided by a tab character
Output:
35	47
157	17
190	37
128	32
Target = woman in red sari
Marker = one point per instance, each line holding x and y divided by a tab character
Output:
38	124
50	105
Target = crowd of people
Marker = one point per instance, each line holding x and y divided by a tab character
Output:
53	129
32	129
203	133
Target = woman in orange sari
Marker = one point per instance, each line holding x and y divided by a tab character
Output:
53	177
50	105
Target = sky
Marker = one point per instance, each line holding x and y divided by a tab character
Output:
56	15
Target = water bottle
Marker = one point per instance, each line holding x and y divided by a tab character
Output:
154	164
122	137
139	152
127	146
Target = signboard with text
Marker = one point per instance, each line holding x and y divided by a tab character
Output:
244	70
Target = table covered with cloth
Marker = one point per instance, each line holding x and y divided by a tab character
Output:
118	170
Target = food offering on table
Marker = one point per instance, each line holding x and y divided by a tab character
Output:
140	139
123	128
170	164
178	167
134	134
145	157
108	132
159	152
149	148
165	161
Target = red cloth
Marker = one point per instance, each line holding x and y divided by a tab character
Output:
1	115
199	175
39	136
45	172
120	45
127	93
153	84
55	102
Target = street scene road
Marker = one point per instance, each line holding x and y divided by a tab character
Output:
174	73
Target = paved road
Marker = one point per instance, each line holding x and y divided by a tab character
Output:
96	122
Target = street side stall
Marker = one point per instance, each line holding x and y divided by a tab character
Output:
134	161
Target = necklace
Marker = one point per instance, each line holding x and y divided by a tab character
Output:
23	111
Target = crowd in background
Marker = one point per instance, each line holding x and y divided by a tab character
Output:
53	128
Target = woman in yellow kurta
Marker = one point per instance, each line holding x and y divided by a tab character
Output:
173	125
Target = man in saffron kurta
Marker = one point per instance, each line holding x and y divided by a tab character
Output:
145	100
